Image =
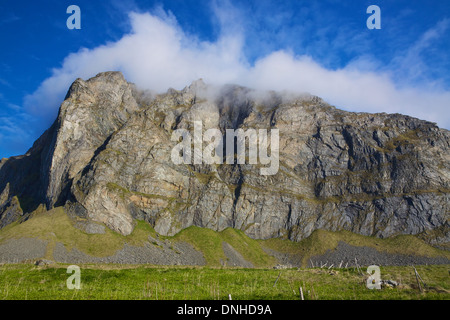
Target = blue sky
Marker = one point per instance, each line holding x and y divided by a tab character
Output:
320	47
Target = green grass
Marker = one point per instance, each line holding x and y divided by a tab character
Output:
26	281
210	243
22	281
55	226
320	241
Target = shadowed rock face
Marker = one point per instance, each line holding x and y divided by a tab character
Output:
107	158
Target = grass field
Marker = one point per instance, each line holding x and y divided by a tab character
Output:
100	282
211	282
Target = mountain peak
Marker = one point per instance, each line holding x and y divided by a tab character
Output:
107	159
109	76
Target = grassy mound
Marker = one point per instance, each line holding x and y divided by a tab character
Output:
210	243
55	226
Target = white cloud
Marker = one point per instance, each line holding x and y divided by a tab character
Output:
157	55
348	88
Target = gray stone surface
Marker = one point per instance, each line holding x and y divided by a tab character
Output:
234	258
366	256
23	249
179	253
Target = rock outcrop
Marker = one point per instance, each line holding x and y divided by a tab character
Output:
107	158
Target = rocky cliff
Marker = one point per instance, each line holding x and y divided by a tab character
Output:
107	159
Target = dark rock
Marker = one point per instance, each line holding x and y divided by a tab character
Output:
43	262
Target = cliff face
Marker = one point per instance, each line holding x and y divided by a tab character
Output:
107	158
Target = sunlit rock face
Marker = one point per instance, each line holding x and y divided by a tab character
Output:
107	159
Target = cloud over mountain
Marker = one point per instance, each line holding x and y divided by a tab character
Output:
158	54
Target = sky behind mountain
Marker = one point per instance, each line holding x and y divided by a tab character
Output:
320	47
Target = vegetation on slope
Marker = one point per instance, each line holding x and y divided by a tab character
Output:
55	226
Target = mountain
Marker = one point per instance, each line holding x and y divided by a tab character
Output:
108	160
